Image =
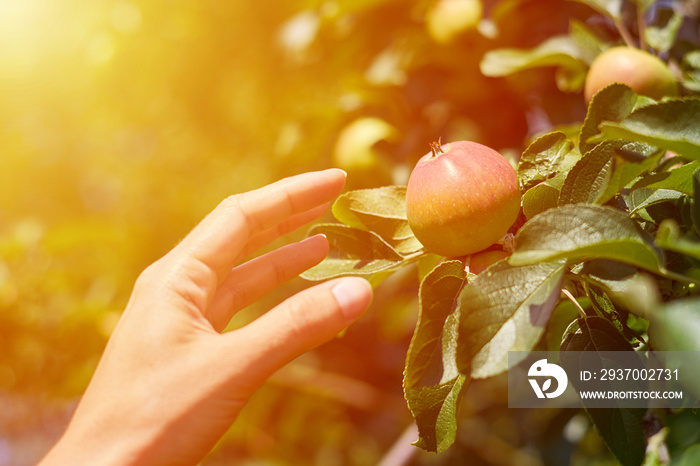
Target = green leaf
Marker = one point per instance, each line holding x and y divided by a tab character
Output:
628	289
538	199
583	232
604	307
620	428
679	179
432	385
612	103
625	170
672	124
561	51
433	406
594	334
692	59
588	179
695	208
544	158
663	37
609	8
669	237
691	80
426	264
691	70
562	316
437	296
352	252
588	43
675	327
689	457
645	197
504	309
570	78
381	210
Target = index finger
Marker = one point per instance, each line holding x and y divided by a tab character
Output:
218	239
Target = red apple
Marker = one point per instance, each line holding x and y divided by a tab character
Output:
482	260
645	73
461	198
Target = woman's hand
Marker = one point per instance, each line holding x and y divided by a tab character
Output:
169	384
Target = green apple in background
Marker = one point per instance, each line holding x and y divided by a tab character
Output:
461	198
356	152
645	73
446	19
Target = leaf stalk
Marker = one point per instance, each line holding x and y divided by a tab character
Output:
625	33
571	297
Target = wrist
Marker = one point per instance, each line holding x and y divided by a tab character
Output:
93	447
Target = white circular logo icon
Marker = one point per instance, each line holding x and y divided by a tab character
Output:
542	368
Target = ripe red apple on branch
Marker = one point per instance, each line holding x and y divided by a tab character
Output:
645	73
461	198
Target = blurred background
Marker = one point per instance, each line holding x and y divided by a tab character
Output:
122	123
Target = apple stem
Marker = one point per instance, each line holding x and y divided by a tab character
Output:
568	294
641	27
625	33
436	147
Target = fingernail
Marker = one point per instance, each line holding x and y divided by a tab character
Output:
317	235
344	172
353	296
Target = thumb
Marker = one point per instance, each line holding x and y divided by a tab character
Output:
302	322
